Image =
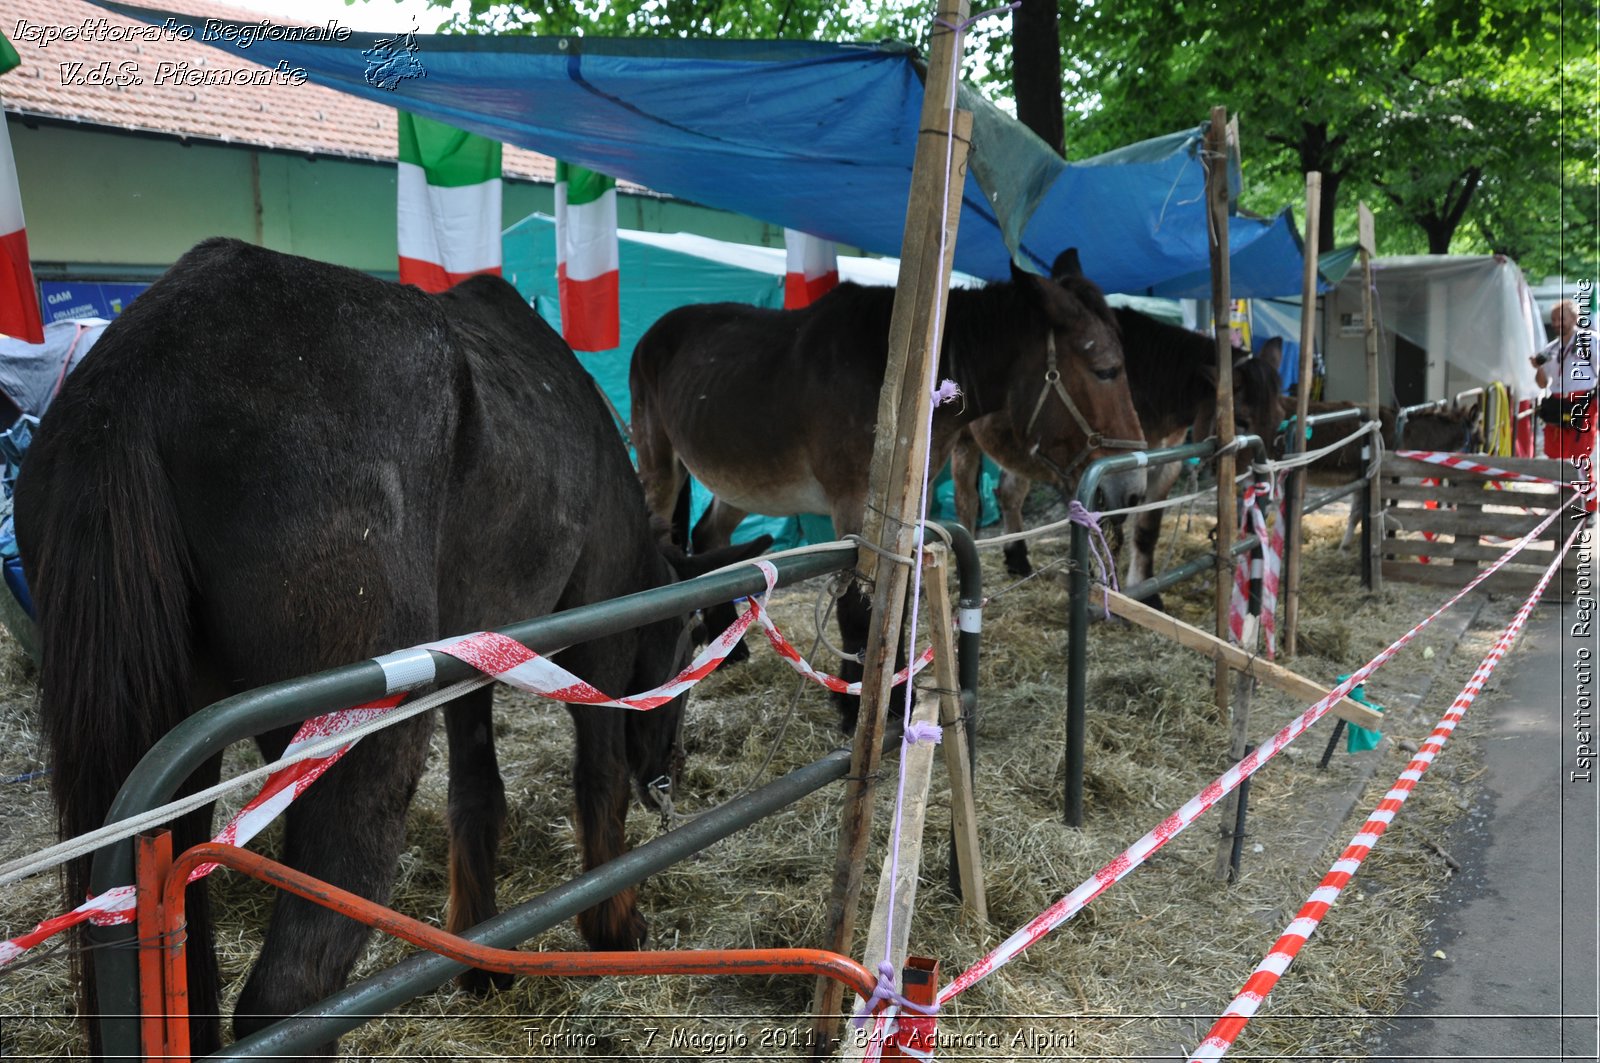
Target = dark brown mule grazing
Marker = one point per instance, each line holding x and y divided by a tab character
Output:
1173	375
272	466
774	411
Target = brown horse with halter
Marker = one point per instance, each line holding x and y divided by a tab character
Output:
1173	376
774	411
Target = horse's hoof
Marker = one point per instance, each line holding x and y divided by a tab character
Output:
849	707
610	931
483	983
1017	563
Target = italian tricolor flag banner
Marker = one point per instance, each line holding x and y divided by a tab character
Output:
19	297
586	258
449	194
812	270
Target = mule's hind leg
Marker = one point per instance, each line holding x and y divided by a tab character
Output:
347	830
477	818
714	530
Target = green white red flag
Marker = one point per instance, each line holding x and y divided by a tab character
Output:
449	197
586	258
19	296
812	269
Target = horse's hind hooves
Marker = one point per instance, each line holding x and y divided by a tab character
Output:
1017	563
482	983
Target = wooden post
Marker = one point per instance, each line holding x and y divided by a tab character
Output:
1221	302
889	931
957	762
899	452
1374	521
1295	534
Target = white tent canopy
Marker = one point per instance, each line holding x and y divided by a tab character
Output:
1446	323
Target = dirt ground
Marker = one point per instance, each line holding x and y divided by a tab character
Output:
1143	970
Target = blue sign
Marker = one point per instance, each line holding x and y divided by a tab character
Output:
69	300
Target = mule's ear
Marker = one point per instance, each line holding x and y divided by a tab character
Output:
1022	276
1067	264
1272	352
711	560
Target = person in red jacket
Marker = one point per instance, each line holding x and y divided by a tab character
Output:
1566	365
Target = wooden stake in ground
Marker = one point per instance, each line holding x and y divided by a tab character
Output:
1374	523
1221	302
900	450
889	931
1295	534
957	762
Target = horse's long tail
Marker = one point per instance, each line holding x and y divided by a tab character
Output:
112	580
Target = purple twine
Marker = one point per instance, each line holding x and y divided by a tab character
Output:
1099	549
885	990
924	731
947	391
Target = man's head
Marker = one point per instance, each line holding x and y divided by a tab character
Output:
1564	318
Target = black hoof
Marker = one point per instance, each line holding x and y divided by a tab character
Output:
483	983
1017	563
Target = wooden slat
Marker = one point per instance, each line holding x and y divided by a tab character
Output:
1471	550
1506	581
1261	670
1475	493
1467	523
1549	468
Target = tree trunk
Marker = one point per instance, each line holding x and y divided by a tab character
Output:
1036	70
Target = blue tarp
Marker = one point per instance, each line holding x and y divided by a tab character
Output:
813	136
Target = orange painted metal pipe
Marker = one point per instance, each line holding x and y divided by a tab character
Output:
815	962
152	859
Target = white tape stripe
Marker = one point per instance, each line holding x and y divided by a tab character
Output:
1325	894
969	621
404	669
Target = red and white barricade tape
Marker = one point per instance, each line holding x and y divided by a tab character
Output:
1261	982
1585	487
1266	565
498	655
1175	824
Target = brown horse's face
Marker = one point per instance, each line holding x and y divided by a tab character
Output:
1088	361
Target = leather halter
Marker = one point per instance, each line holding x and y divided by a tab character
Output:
1093	440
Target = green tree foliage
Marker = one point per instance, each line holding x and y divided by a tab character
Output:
1442	113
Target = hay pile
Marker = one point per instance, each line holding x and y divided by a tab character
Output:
1143	970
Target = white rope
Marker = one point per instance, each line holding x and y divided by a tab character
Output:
83	844
1268	468
1126	511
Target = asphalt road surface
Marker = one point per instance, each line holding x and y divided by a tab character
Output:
1518	929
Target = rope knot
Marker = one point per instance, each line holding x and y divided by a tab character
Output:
1099	549
885	991
947	391
922	731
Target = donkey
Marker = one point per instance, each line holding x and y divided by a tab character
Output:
272	466
1173	376
774	411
